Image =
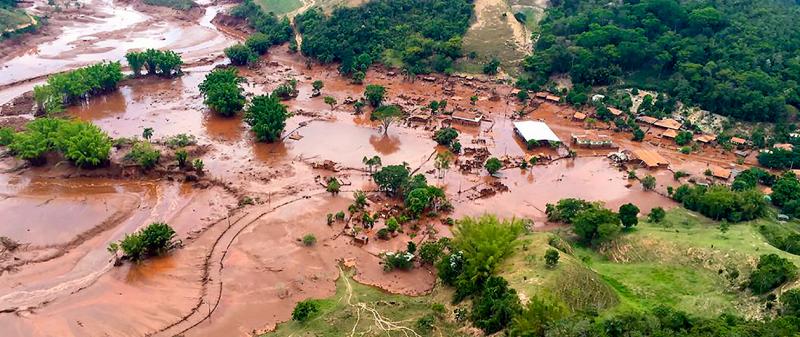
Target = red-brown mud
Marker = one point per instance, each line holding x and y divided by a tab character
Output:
242	270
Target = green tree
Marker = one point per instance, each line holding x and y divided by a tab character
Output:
374	94
771	271
495	306
181	156
551	257
786	188
304	310
791	302
258	42
316	87
309	240
136	62
84	144
628	215
391	178
329	100
493	165
240	55
222	91
648	182
147	133
445	136
595	225
683	138
537	318
656	215
266	117
638	135
333	186
144	154
387	114
490	68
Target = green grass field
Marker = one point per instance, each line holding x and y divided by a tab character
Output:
11	18
361	310
279	7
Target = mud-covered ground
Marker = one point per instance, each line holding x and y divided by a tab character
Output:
241	269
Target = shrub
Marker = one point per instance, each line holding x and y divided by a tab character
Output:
69	87
153	240
258	42
374	94
181	140
84	144
397	260
791	302
490	68
30	146
720	202
181	156
383	234
425	323
495	306
656	215
6	136
222	91
392	225
309	240
445	136
771	272
333	186
551	257
648	182
683	138
144	154
240	55
266	117
493	165
165	63
198	165
596	225
566	209
628	215
431	251
304	310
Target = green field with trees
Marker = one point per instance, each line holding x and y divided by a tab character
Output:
737	58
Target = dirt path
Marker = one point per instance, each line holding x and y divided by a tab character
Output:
382	323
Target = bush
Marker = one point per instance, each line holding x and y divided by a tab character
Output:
551	257
493	165
240	55
566	209
374	94
383	234
144	154
495	306
286	90
304	310
628	215
596	225
649	183
70	87
266	117
425	323
431	251
222	91
445	136
771	272
84	144
309	240
791	302
490	68
6	136
165	63
176	4
259	43
683	138
30	146
153	240
656	215
720	202
397	260
198	165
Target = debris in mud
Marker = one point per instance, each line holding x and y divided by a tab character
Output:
8	244
488	190
327	165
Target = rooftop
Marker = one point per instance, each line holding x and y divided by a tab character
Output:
650	158
534	130
669	133
668	123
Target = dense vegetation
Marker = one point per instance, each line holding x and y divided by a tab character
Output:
733	57
266	117
70	87
82	143
165	63
153	240
222	91
176	4
424	36
11	17
721	202
276	31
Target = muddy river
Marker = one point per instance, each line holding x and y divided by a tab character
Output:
240	269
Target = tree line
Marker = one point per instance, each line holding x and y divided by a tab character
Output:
424	36
70	87
736	58
164	63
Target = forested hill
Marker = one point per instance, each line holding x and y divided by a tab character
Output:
738	58
424	34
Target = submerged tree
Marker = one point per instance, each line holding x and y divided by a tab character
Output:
266	117
387	115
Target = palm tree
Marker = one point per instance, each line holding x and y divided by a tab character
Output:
147	133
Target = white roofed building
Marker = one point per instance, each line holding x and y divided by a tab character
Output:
535	131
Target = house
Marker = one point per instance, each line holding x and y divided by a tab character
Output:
668	123
738	141
593	141
721	173
422	118
705	139
535	131
784	146
614	111
669	133
466	118
649	158
541	95
647	119
553	98
579	116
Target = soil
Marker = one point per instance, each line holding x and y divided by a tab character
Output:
241	266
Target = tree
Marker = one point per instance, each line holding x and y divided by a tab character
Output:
551	257
181	156
387	115
473	99
791	302
638	135
330	101
258	42
496	306
240	55
358	106
490	68
771	271
683	138
445	136
304	310
371	163
222	91
493	165
391	178
153	240
596	225
84	144
333	186
648	182
523	95
143	154
374	94
147	133
266	117
537	318
786	188
316	87
628	215
442	162
136	62
656	215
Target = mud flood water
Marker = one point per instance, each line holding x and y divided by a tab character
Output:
241	267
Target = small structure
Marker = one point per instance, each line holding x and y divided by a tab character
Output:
614	111
649	158
361	239
553	98
784	146
598	98
720	173
422	118
738	141
466	118
593	141
579	116
647	120
535	131
705	139
669	133
668	123
541	95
